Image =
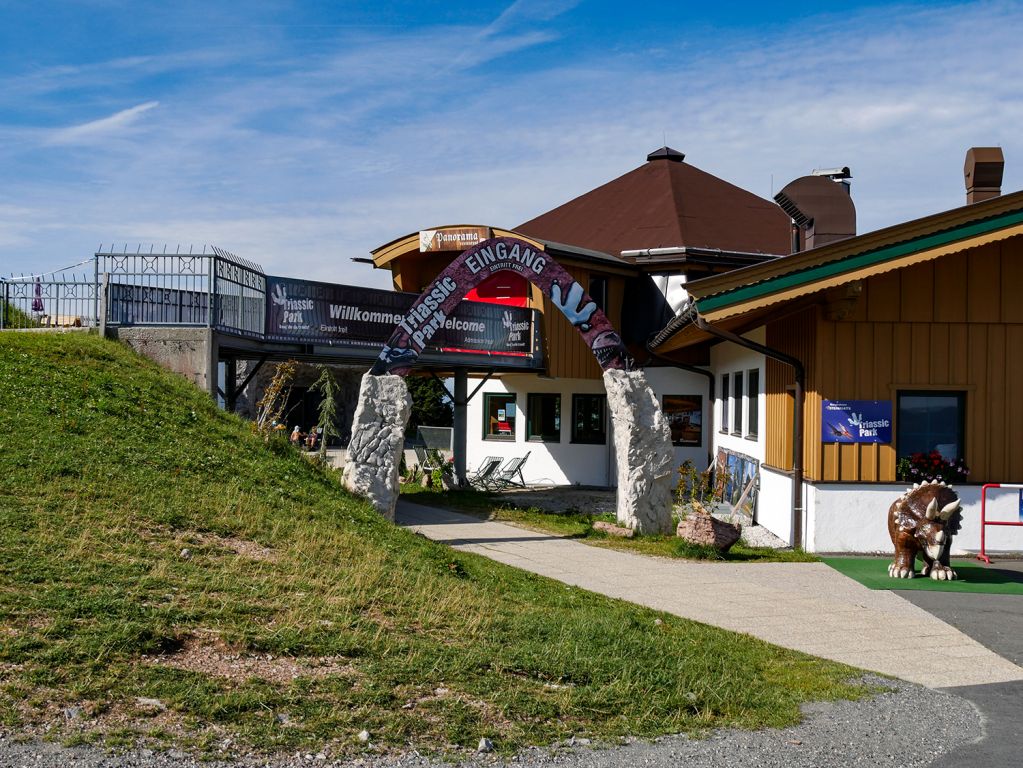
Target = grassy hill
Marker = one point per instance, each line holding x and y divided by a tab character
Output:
167	576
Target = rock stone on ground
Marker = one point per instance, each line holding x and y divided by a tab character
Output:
700	527
643	451
906	727
378	435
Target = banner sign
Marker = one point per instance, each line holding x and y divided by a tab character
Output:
433	308
302	310
856	421
451	238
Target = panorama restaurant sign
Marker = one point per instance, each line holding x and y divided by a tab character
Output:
856	421
348	315
451	238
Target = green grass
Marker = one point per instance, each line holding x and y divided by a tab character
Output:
579	525
110	468
16	318
972	576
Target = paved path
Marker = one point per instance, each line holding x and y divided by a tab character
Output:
805	606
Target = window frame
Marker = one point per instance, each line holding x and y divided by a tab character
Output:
958	394
576	398
752	403
511	397
726	394
738	387
530	397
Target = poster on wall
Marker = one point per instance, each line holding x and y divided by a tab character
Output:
685	418
856	421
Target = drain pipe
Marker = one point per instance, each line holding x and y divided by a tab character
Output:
797	426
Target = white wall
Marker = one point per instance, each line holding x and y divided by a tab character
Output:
564	462
853	518
774	503
731	358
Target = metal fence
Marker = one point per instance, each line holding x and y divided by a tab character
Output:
61	299
212	288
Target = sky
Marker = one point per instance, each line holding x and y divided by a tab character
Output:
300	135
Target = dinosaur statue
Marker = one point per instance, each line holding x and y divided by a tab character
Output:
924	519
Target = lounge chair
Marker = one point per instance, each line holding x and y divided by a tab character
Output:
505	476
425	462
481	477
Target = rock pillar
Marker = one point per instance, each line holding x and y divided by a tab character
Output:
643	450
378	436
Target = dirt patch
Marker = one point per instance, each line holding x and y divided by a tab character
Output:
208	655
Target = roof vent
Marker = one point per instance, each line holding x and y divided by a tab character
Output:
983	173
666	153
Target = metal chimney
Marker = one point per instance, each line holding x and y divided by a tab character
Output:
983	173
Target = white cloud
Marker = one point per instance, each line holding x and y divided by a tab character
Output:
315	156
103	128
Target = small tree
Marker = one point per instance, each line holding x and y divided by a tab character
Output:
328	388
271	406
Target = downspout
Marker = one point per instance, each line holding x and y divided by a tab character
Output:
797	426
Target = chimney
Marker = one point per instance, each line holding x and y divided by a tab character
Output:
821	208
983	173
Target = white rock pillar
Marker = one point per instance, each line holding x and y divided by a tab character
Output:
378	436
643	450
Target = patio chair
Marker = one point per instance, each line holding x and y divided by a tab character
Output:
505	476
483	473
426	464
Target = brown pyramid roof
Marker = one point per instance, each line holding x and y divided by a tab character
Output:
662	204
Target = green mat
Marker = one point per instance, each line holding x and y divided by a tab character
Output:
974	576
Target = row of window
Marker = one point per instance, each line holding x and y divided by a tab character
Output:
543	417
733	387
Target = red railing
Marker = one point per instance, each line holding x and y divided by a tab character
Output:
984	522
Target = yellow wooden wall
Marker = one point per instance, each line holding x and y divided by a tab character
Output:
566	354
955	323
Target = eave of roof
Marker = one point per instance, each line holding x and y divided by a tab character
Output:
935	235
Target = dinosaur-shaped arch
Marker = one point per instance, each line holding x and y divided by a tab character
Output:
472	267
641	435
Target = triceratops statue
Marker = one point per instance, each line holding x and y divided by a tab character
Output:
924	519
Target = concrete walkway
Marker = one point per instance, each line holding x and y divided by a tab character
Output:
805	606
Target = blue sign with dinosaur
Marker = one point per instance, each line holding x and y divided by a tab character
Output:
856	421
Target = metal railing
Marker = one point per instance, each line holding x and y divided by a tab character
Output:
142	288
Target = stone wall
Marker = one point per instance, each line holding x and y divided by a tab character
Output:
378	436
187	351
643	451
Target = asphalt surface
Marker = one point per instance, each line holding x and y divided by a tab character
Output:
995	621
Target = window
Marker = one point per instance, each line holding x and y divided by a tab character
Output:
543	417
931	421
598	291
498	417
589	423
724	403
737	403
752	401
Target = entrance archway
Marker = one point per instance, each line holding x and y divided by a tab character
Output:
431	311
642	437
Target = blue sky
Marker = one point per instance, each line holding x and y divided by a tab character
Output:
300	135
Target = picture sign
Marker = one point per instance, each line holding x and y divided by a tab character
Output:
856	421
685	419
353	316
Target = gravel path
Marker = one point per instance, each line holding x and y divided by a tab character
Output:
906	726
